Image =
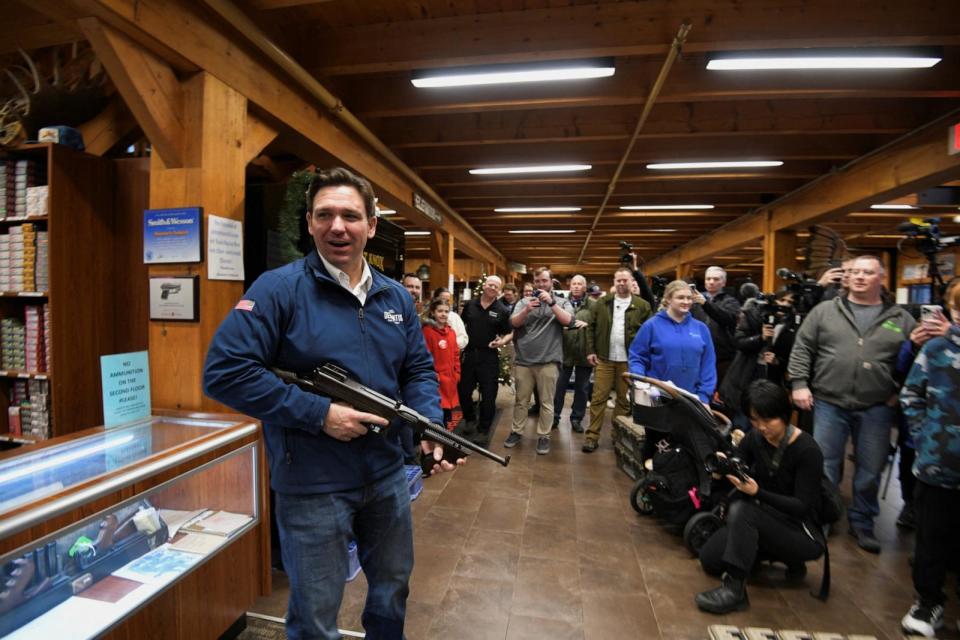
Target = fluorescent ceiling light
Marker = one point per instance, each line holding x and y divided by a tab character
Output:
530	168
849	59
665	207
893	207
416	233
535	209
512	74
662	230
386	212
956	219
744	164
539	231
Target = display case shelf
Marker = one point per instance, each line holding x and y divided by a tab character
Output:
102	532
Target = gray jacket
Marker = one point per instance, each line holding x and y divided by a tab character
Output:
849	370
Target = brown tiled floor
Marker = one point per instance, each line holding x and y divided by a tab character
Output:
549	548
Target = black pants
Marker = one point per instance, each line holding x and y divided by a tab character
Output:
938	520
581	381
479	367
908	482
753	531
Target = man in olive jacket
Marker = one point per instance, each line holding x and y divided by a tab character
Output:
616	320
575	357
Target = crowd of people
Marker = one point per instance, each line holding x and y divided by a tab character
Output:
850	363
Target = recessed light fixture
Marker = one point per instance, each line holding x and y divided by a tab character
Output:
416	233
893	207
513	73
665	207
542	231
825	59
740	164
535	209
530	168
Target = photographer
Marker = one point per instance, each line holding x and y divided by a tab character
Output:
763	340
773	517
720	311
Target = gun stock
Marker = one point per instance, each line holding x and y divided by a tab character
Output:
335	383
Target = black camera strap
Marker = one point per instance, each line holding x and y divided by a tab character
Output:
773	464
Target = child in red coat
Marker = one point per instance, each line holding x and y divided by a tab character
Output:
441	342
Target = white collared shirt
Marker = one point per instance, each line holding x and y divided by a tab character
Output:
618	345
362	288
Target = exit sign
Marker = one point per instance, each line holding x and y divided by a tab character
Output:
953	144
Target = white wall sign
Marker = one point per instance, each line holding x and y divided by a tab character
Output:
224	249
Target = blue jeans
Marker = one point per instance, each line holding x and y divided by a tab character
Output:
314	533
870	428
581	380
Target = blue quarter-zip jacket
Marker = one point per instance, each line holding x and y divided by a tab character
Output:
301	318
681	352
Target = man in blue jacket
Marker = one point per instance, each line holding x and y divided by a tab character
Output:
334	481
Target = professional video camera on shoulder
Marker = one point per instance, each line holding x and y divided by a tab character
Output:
771	310
806	291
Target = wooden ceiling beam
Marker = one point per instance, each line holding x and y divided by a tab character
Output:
917	161
28	37
621	29
660	187
608	152
108	128
147	84
667	120
392	95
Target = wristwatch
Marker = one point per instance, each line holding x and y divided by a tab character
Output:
552	302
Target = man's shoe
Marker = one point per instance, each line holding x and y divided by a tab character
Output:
922	620
576	426
512	440
543	445
865	539
729	596
589	446
907	518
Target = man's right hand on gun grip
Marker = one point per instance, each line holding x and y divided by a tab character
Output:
345	423
803	399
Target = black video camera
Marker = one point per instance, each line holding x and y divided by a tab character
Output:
770	309
625	258
724	466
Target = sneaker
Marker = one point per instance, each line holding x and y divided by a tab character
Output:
922	620
865	539
577	426
543	445
589	446
512	440
907	518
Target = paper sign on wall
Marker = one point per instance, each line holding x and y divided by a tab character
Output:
224	249
125	380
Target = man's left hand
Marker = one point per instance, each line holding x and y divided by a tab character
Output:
435	451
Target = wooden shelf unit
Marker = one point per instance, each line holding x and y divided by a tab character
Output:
82	237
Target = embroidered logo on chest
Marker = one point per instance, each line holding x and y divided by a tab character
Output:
393	316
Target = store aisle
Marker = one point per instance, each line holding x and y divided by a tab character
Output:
550	548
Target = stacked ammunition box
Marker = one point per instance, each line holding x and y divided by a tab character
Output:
24	256
12	354
35	351
37	204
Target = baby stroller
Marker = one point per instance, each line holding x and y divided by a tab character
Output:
682	438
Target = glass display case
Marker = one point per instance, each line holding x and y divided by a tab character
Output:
94	526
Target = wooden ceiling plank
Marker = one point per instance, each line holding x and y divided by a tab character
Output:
620	29
917	161
147	84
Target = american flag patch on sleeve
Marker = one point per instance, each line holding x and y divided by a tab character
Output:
245	305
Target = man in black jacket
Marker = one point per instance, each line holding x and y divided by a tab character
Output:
720	311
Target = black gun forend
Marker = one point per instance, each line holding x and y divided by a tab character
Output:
335	383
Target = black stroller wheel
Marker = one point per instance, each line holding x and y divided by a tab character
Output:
639	499
698	530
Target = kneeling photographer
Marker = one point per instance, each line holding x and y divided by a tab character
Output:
772	517
763	339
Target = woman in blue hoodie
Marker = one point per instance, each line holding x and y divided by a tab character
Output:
674	346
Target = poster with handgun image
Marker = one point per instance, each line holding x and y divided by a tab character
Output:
175	298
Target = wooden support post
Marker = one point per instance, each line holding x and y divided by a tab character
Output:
215	159
684	271
779	251
441	259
